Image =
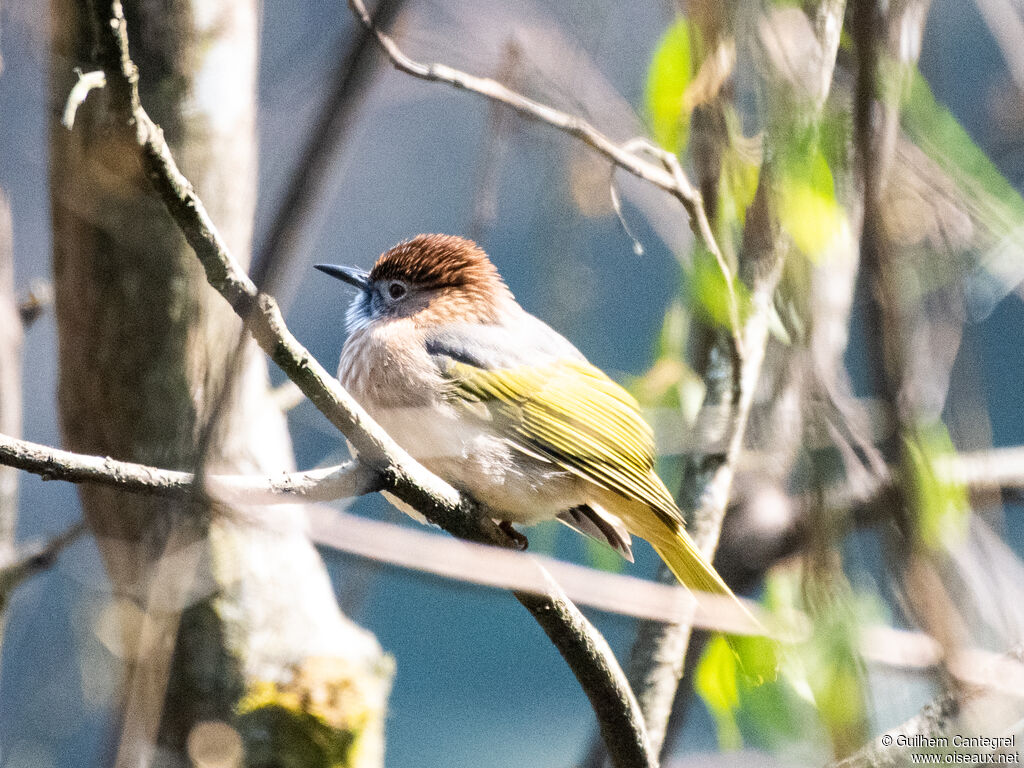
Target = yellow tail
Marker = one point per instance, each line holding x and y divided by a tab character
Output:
694	572
688	564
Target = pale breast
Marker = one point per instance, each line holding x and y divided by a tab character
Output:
390	373
394	379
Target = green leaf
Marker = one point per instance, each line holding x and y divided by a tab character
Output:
668	77
934	129
942	506
709	290
808	209
737	186
716	682
772	695
738	680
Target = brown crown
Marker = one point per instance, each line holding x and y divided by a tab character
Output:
437	261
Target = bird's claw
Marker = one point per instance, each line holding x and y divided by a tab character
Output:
519	540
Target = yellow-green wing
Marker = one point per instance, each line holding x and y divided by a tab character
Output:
572	414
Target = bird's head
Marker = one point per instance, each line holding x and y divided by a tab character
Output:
430	279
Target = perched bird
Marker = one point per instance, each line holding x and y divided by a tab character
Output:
495	402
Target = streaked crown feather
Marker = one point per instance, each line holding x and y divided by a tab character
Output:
438	261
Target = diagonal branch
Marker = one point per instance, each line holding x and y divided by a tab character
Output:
667	176
579	643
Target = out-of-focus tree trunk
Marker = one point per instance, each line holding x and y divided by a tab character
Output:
144	346
10	382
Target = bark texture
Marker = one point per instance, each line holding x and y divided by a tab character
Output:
145	348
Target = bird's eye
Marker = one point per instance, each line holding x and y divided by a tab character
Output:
396	290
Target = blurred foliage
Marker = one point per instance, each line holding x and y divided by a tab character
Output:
671	382
770	695
807	206
761	693
934	129
741	167
709	291
985	219
942	506
668	77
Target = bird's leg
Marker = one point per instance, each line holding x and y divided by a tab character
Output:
521	542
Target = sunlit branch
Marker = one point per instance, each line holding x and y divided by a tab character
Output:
582	647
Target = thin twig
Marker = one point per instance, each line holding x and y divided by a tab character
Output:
994	469
287	396
955	713
401	474
419	550
38	300
933	721
86	82
501	125
11	339
35	558
670	179
613	193
673	166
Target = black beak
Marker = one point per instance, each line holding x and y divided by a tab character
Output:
351	275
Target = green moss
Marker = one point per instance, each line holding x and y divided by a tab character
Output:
317	719
279	735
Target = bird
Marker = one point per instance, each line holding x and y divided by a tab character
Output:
501	406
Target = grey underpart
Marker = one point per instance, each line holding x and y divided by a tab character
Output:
601	527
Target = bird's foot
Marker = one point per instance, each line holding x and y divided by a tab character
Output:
520	541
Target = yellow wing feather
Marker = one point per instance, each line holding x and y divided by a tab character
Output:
572	414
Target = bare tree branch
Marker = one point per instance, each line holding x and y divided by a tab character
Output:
11	336
659	653
460	560
10	374
79	93
343	481
933	720
573	125
591	662
982	701
668	176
